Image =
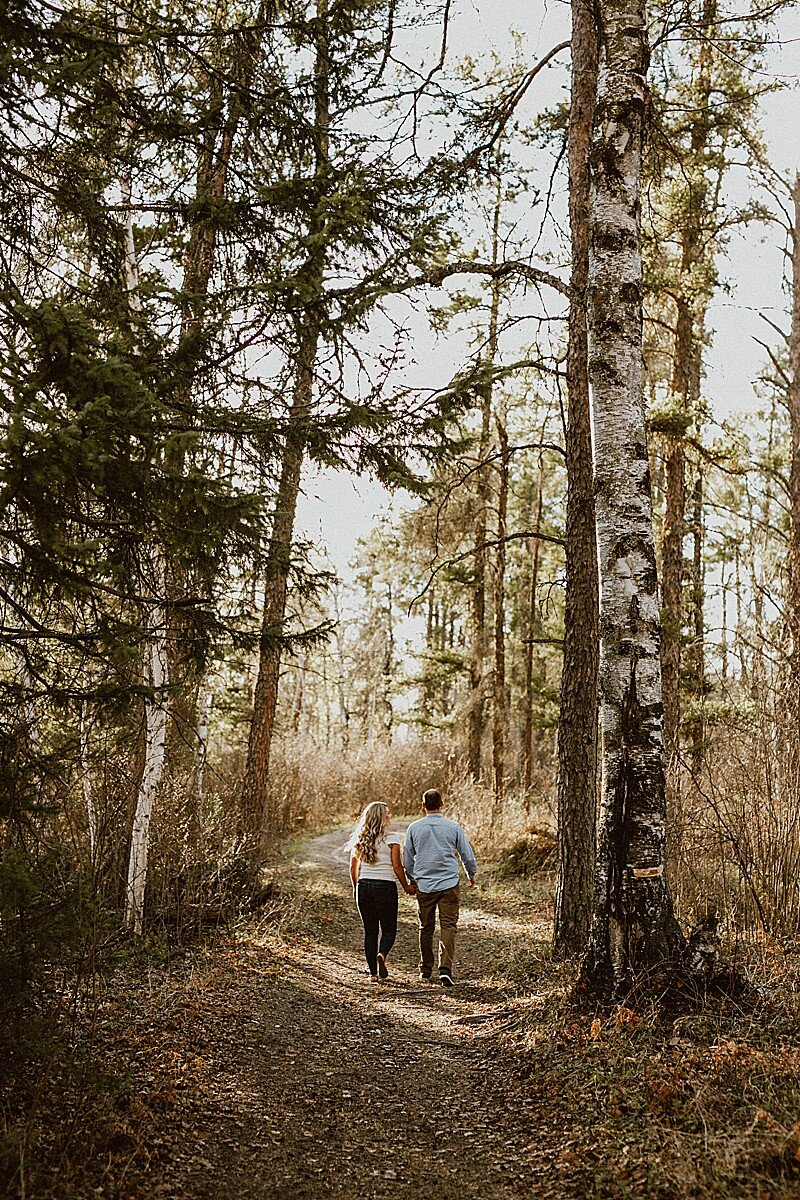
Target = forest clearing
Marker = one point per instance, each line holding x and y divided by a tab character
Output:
400	489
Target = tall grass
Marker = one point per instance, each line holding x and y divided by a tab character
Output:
736	827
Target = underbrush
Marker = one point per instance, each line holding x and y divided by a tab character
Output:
703	1105
530	855
314	787
100	1058
494	829
734	825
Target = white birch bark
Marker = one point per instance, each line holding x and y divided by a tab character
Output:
155	714
203	714
154	670
633	924
86	785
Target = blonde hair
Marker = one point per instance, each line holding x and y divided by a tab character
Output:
371	827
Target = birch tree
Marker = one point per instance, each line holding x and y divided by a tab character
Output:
155	736
633	925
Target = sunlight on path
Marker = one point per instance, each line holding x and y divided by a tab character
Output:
336	1087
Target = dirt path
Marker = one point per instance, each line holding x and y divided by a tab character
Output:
326	1085
262	1063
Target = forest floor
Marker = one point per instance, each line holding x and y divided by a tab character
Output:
266	1065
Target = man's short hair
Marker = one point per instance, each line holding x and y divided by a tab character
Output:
432	800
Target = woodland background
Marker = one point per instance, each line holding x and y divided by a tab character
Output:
250	250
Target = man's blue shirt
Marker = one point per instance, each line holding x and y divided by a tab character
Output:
433	847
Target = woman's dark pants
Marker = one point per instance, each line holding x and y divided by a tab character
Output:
377	904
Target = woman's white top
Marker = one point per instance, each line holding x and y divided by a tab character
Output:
382	868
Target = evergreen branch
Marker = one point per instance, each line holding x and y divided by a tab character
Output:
487	545
436	276
527	271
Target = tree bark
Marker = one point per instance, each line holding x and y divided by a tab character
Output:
186	649
155	675
92	815
387	674
672	585
477	661
499	673
477	701
255	818
155	734
532	626
577	726
633	925
698	656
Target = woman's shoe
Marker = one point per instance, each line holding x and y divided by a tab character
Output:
383	970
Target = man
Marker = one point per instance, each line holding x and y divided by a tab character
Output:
433	847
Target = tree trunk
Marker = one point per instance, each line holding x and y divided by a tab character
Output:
499	673
387	674
155	717
256	823
299	690
633	925
477	701
201	761
532	626
155	673
723	641
185	651
255	819
92	815
691	305
577	726
698	623
672	586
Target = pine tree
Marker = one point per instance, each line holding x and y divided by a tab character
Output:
577	736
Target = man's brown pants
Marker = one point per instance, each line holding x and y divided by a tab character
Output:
447	904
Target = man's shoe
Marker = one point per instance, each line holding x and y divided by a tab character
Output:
383	970
445	980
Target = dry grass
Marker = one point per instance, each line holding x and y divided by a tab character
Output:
490	827
735	829
703	1105
314	787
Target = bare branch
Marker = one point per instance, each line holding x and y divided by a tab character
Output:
777	328
508	107
510	537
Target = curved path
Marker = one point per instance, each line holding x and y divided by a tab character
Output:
330	1086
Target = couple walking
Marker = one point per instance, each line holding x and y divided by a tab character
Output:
427	868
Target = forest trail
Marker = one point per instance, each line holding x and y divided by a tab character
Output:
323	1084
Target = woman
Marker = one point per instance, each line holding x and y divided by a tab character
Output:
375	867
